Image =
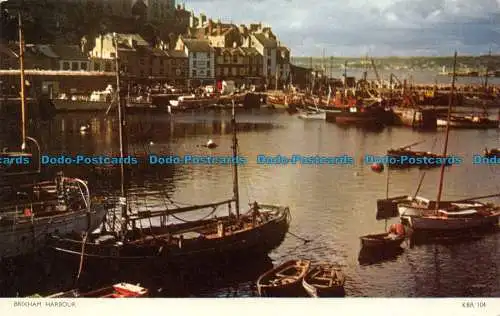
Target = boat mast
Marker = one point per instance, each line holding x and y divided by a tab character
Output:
445	150
22	92
236	192
121	123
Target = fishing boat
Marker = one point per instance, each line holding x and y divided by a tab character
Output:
452	216
467	122
403	157
385	241
284	280
31	210
200	241
119	290
315	114
324	280
493	152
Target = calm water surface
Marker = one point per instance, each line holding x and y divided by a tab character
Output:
331	205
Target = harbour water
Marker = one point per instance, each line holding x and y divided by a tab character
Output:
331	205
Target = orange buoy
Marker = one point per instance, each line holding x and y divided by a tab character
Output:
377	167
397	229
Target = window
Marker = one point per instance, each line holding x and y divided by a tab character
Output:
193	73
141	61
242	71
107	67
194	55
226	58
226	71
234	71
208	64
65	65
218	72
97	67
161	71
208	73
112	55
83	66
235	59
74	65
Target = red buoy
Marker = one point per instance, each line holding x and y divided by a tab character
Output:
377	167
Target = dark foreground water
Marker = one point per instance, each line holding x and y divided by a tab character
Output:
331	205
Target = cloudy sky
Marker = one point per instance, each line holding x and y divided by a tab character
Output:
374	27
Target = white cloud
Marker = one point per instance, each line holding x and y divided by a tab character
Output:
386	26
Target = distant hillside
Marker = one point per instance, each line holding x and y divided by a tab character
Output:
431	63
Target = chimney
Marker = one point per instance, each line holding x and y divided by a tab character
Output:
210	26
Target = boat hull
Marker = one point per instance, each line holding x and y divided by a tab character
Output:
29	236
437	223
313	116
284	280
379	242
70	105
193	252
335	290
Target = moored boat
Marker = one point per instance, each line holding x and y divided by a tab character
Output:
119	290
313	115
385	241
406	158
324	280
285	280
467	122
493	152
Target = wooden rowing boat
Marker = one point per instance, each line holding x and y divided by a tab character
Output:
324	280
119	290
284	280
384	240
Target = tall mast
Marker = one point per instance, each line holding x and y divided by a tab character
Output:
236	192
445	151
22	92
121	123
486	74
345	78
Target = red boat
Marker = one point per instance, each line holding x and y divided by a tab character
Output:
119	290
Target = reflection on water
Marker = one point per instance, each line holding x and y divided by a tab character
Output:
331	205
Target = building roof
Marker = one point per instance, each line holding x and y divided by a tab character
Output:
265	41
66	52
196	45
127	37
69	52
176	54
250	50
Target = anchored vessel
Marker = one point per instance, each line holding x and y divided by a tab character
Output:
284	280
324	280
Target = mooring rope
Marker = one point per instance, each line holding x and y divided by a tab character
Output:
301	238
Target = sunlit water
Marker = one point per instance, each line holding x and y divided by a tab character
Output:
332	206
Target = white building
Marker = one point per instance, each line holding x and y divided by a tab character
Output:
201	60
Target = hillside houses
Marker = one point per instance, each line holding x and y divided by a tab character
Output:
208	51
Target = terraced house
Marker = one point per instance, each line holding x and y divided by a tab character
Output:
201	60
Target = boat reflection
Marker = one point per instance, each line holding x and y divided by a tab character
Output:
447	238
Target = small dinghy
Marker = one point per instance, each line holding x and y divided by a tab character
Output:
284	280
120	290
390	240
324	280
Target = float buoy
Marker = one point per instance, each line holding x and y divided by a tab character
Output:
397	229
377	167
211	144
